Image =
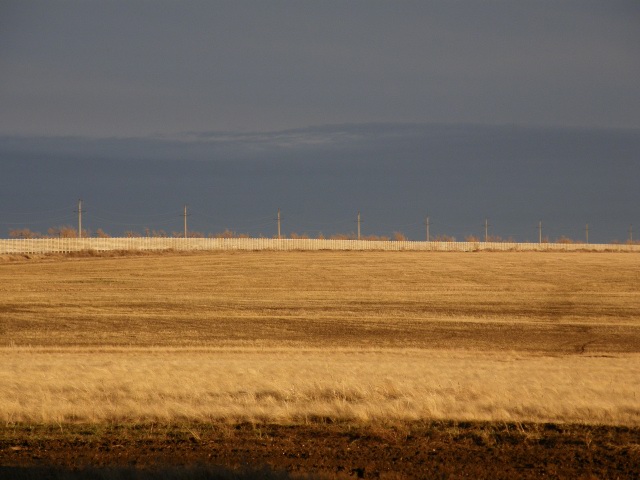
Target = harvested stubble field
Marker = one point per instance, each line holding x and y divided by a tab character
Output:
496	360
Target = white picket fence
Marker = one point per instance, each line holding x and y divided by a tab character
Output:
66	245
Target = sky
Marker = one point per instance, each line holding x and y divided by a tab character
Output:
459	110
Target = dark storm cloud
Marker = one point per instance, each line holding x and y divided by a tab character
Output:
320	177
140	107
131	68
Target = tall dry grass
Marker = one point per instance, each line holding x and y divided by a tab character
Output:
288	386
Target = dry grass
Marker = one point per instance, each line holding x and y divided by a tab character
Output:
542	302
297	336
300	386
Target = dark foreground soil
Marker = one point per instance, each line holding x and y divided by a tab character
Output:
417	450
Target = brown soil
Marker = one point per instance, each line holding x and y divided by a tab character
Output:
320	450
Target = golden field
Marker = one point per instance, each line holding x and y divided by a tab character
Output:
302	336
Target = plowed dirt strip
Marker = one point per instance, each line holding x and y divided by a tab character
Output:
418	450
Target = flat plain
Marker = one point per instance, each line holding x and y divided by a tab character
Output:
551	303
367	340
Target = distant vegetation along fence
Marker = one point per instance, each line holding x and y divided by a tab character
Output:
67	245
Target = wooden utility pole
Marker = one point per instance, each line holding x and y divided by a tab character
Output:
279	225
80	218
426	223
630	233
586	232
486	230
540	231
358	225
185	221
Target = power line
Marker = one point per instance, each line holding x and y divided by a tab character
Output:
42	212
258	223
124	214
137	224
49	220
